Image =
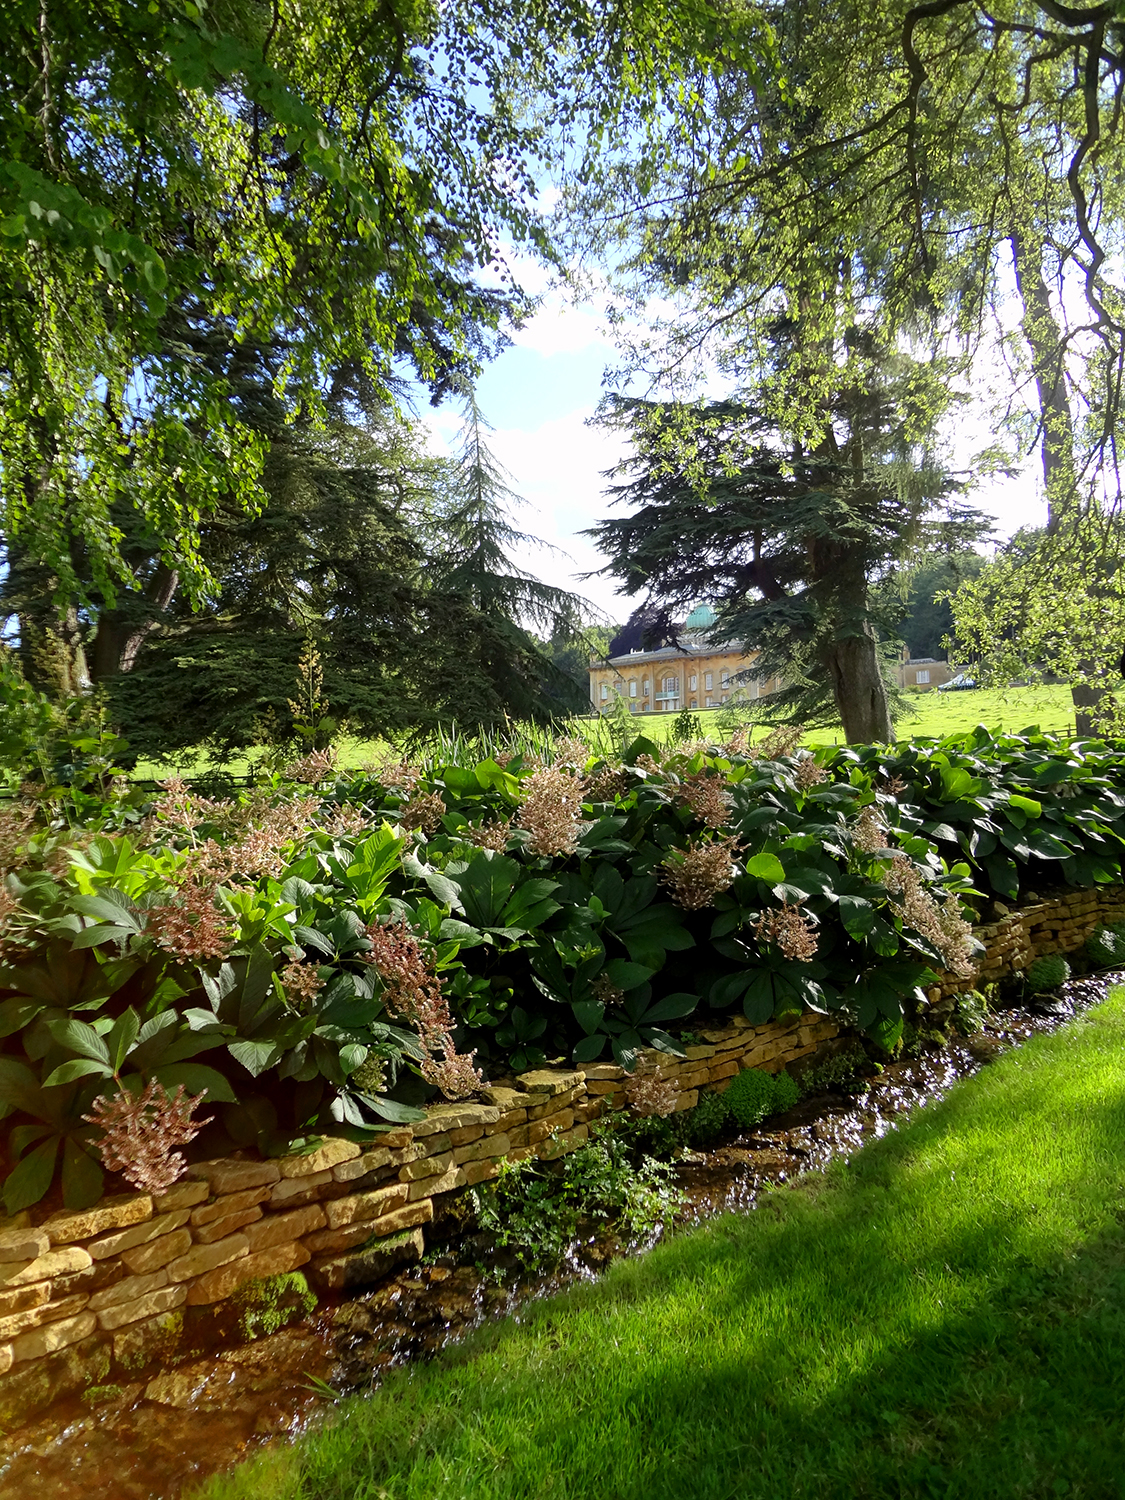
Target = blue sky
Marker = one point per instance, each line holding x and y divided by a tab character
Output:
540	395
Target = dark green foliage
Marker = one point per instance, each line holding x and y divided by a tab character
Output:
924	622
750	1097
597	950
1105	948
1047	973
838	1071
786	1092
536	1208
707	1120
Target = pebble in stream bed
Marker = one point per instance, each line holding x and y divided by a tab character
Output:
151	1440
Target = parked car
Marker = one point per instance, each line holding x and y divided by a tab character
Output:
958	684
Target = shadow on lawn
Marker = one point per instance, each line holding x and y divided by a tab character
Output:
920	1324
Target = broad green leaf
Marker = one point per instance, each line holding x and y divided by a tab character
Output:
766	867
77	1067
671	1008
589	1047
83	1180
31	1179
626	975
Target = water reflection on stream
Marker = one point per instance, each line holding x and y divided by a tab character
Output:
157	1437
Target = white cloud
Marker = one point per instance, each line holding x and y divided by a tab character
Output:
558	469
558	327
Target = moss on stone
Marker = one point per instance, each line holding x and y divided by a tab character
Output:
271	1303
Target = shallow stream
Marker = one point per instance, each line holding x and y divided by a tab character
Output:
156	1438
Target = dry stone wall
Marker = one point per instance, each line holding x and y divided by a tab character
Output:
87	1294
1059	923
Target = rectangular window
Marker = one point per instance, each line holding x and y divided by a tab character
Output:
724	698
710	703
694	684
695	703
922	676
632	687
644	688
644	707
709	681
605	691
724	681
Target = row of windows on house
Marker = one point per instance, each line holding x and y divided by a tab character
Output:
670	696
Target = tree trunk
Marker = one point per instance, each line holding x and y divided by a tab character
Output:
1044	341
122	632
1060	480
853	665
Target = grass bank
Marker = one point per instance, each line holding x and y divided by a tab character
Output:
945	1317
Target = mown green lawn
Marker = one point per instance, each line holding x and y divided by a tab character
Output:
945	1317
930	714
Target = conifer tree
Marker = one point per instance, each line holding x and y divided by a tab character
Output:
787	542
493	603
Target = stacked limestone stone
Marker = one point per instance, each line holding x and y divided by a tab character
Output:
108	1283
103	1288
1060	924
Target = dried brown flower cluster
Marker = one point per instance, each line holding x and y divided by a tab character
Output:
738	744
809	772
892	786
708	796
790	929
412	992
650	764
702	871
779	744
606	784
347	821
454	1075
16	822
606	991
399	776
185	808
301	984
649	1093
870	833
571	751
140	1131
551	811
190	926
491	835
425	810
940	923
312	769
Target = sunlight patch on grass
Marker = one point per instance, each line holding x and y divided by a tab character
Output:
945	1316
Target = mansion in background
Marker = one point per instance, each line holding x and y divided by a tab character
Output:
696	674
692	674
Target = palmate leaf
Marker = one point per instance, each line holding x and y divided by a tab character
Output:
32	1177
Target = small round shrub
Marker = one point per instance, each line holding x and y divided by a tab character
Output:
1047	973
786	1092
1104	947
750	1097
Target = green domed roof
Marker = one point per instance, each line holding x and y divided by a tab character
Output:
701	616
